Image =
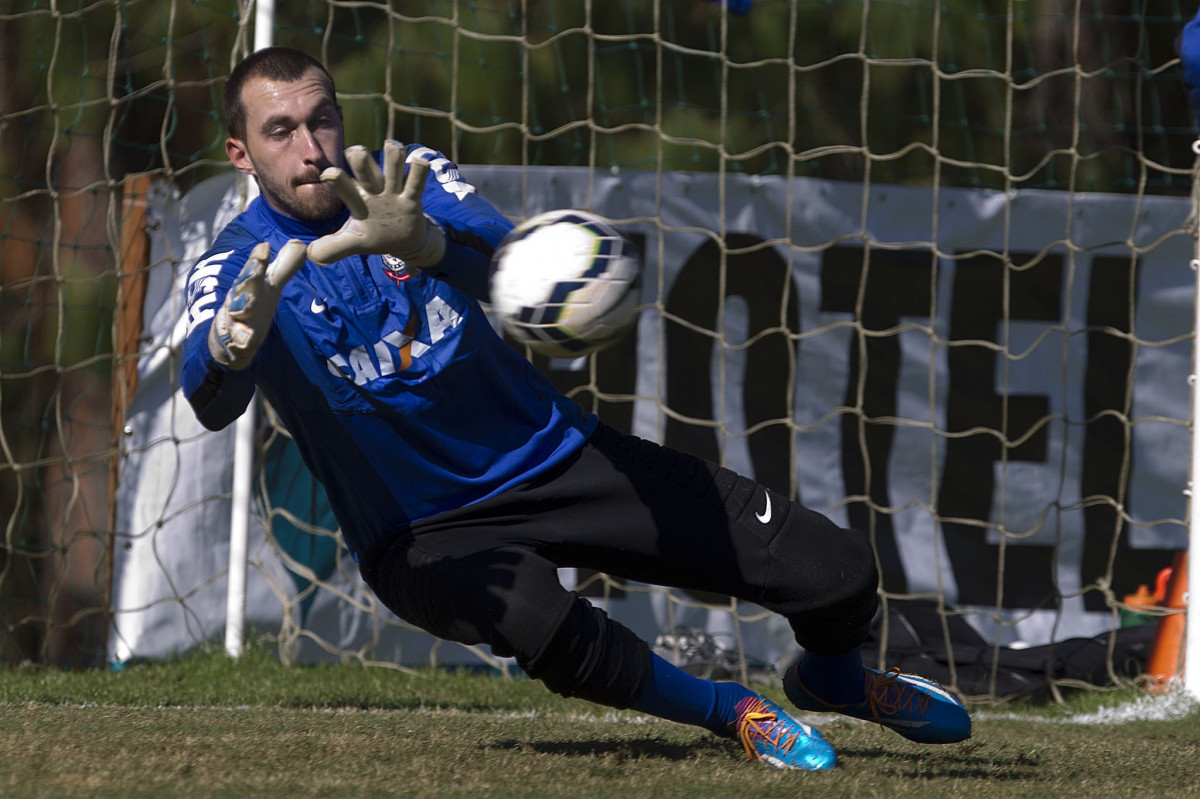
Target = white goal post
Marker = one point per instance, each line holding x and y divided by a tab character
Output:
243	454
1191	666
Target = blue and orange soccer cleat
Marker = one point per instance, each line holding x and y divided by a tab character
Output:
919	709
775	738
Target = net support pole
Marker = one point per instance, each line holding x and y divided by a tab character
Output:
133	266
239	530
264	24
1191	651
243	448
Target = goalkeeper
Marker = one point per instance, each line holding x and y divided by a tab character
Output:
348	293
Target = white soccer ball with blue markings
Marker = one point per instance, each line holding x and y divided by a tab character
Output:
566	283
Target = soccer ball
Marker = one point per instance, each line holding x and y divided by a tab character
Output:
566	283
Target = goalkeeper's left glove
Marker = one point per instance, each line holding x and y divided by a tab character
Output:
385	217
241	323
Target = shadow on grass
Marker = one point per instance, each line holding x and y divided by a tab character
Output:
966	762
640	748
973	763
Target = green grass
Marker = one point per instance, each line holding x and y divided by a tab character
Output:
208	727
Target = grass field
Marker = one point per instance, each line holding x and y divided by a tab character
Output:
208	727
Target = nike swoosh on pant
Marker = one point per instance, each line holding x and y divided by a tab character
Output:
765	516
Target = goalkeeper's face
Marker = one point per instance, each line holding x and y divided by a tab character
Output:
293	132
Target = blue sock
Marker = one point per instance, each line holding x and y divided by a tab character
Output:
834	678
673	694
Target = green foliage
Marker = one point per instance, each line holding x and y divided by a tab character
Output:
1017	94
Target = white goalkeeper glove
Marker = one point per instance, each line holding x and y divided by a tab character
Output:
385	217
241	323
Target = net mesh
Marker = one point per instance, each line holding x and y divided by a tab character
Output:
1073	98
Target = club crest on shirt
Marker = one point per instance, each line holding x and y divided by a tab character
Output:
395	267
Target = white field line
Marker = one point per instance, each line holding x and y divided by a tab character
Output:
1168	706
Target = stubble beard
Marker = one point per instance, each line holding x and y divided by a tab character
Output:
308	202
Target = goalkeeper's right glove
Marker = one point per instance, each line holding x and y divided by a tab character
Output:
387	213
242	321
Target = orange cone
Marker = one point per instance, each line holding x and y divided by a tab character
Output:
1164	663
1140	606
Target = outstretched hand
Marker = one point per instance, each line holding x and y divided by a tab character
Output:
241	323
386	210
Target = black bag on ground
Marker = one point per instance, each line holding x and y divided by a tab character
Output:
917	643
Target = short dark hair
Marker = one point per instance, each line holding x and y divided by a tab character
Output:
273	63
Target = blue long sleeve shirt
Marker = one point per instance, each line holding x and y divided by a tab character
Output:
402	399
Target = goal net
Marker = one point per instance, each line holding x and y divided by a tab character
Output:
924	266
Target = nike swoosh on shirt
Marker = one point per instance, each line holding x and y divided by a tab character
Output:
765	516
317	306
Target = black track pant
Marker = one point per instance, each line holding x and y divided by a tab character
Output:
487	573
